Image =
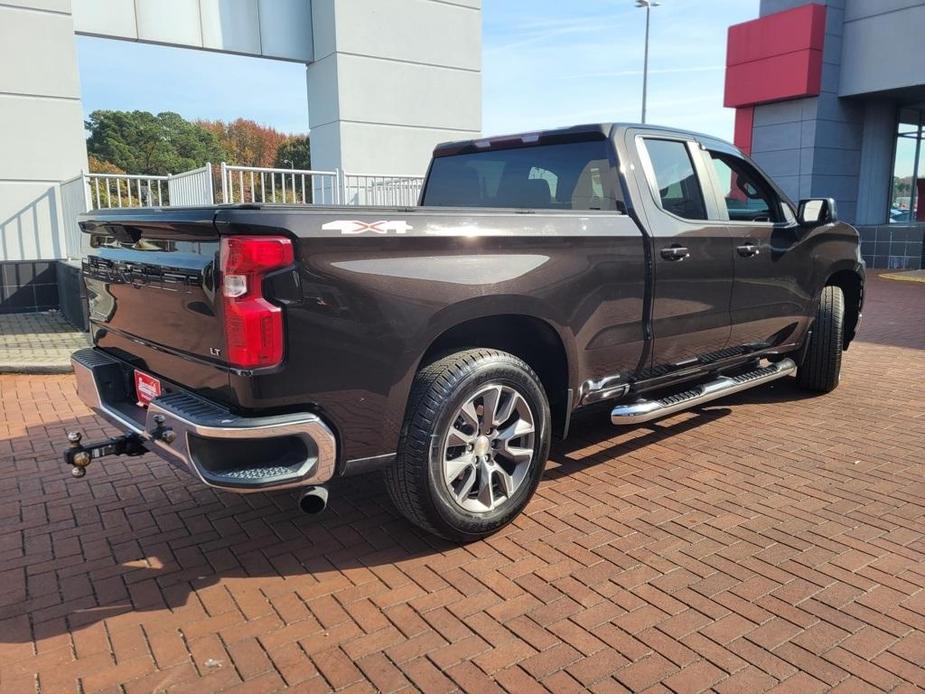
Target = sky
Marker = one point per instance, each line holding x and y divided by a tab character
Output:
546	63
127	76
553	62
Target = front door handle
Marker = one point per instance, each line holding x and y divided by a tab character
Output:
675	253
748	249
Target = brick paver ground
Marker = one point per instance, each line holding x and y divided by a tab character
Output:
38	343
771	539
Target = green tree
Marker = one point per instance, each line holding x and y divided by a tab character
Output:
294	153
139	142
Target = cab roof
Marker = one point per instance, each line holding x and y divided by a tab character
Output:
575	133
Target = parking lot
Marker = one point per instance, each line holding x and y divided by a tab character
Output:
771	538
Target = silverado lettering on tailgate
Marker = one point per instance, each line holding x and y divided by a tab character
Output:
170	279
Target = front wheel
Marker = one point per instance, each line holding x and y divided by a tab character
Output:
473	445
821	367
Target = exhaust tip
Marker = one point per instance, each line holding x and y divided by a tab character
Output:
313	500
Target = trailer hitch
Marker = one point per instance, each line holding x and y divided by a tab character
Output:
78	456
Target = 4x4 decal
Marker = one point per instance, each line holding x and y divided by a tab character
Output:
355	226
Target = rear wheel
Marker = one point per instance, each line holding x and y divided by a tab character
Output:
821	365
473	445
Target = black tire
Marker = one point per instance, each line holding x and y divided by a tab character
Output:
416	480
821	365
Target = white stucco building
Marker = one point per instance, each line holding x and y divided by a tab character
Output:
385	80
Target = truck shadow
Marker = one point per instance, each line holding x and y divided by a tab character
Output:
138	536
592	427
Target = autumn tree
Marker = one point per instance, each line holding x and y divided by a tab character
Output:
97	165
246	142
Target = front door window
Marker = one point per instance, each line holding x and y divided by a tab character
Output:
748	197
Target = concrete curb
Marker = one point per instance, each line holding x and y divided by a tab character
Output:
908	276
44	369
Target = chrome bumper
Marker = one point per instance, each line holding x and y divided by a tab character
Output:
193	433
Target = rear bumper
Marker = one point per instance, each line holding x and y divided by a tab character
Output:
226	451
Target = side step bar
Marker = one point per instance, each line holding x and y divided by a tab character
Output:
647	410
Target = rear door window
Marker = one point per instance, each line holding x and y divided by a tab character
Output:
679	189
568	176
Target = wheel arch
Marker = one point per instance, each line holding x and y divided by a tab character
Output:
528	337
851	282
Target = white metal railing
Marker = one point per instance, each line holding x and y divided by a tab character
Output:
252	184
239	184
127	190
191	187
381	190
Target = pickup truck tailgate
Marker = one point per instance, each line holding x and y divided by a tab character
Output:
150	277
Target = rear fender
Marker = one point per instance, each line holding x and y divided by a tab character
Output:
457	314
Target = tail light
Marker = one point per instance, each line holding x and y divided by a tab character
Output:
253	326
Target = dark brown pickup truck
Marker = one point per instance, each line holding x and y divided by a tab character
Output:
266	347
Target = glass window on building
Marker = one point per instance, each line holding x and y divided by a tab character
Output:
906	205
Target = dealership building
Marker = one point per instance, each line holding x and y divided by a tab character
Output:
830	101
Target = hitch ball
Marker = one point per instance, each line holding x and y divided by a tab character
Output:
165	434
81	458
78	456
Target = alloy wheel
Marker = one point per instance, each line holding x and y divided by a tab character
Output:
489	448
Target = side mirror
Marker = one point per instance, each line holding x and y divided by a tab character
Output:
816	211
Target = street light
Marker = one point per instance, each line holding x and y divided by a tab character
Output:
648	4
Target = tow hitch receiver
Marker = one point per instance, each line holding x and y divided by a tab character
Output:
79	456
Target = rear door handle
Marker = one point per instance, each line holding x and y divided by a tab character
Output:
675	253
747	250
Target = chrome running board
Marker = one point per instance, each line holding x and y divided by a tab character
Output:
647	410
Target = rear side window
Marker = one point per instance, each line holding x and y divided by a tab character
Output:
569	176
678	187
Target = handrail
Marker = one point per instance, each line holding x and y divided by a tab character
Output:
141	177
268	169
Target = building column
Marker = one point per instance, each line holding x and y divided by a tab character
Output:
877	146
386	85
41	127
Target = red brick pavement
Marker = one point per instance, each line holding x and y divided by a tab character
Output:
768	540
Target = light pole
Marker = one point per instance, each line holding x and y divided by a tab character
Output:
648	4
